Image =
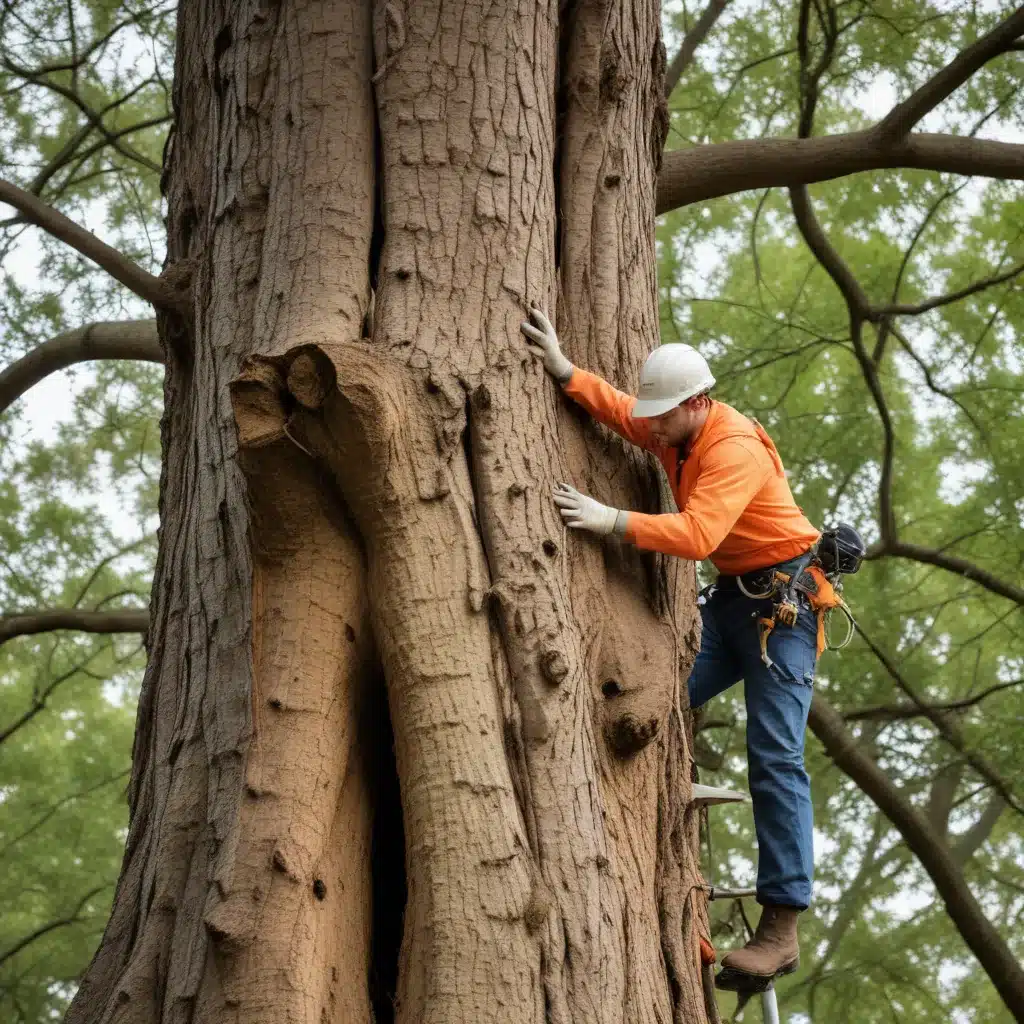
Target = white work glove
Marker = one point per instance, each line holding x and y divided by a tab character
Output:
582	513
542	342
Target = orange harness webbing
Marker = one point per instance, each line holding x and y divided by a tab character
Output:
822	596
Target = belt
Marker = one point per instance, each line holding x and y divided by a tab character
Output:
758	581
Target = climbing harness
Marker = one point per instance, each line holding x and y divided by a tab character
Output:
816	580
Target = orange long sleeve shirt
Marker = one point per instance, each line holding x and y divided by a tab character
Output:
735	505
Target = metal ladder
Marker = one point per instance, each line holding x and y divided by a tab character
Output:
709	796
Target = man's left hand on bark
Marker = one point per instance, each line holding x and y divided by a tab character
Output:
581	512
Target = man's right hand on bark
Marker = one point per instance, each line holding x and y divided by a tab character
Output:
542	342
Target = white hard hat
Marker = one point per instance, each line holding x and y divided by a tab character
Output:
673	373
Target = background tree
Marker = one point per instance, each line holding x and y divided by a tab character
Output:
84	112
787	341
902	371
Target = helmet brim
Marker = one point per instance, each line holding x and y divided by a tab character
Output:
647	407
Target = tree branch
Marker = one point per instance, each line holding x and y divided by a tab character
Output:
826	254
904	309
131	339
872	863
902	118
99	43
898	712
860	309
970	842
946	727
125	620
69	152
952	563
54	808
113	556
811	75
720	169
40	697
885	323
94	117
682	60
942	794
61	922
145	285
701	724
705	756
933	386
981	937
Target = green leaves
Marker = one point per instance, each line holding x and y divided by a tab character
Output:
63	813
67	700
78	482
737	281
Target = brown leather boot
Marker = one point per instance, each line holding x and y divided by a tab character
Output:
772	951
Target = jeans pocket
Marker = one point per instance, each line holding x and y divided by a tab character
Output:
794	654
784	673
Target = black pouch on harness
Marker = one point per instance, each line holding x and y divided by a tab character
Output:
840	551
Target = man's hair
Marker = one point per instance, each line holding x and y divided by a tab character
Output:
700	394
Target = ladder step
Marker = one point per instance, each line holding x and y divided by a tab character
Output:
714	795
720	892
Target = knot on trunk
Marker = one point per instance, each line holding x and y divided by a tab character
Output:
553	666
311	378
538	906
614	79
257	399
628	734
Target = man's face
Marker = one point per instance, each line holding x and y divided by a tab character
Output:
674	428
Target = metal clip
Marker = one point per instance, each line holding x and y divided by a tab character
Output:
764	628
786	612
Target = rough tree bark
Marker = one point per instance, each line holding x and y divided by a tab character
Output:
356	497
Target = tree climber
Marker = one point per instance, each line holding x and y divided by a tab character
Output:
736	508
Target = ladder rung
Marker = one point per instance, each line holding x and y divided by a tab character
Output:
720	892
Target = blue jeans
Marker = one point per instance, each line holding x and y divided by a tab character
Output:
778	701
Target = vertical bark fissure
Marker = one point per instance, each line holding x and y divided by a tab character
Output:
175	945
613	129
387	864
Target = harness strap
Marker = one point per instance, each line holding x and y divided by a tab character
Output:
808	579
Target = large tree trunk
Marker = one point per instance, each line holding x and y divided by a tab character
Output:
345	508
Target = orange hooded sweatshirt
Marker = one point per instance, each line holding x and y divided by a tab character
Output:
735	505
